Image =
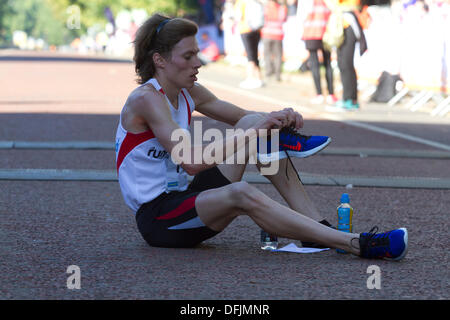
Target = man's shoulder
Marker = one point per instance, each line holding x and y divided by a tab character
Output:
142	97
139	109
200	93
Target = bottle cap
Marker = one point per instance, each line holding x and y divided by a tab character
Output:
345	198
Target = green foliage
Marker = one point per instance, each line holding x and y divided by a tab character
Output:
92	11
5	11
34	17
47	19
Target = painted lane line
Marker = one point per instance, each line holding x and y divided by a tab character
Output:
57	145
397	134
386	153
106	145
329	116
255	178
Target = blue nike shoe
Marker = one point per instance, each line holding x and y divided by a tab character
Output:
391	245
292	143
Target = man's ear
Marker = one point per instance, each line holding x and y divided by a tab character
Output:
158	60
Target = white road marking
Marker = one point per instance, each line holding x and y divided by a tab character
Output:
328	116
255	178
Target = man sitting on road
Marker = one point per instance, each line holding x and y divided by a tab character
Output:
153	174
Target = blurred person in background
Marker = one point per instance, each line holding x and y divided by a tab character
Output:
314	27
292	7
250	17
209	51
275	14
353	33
227	26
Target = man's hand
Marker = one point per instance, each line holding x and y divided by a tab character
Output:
279	119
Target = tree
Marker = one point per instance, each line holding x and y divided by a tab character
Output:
34	17
47	19
5	11
92	12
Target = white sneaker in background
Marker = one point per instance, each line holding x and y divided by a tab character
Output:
319	99
331	99
251	84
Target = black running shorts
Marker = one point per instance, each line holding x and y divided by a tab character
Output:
171	219
250	41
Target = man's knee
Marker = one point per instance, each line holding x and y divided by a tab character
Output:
245	196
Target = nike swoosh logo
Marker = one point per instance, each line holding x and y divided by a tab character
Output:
298	147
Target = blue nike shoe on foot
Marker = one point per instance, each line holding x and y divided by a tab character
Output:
391	245
292	143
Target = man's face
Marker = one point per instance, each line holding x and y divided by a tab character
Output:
183	65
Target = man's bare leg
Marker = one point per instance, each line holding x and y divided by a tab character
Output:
288	185
292	190
218	207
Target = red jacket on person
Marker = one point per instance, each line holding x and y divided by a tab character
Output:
275	15
316	21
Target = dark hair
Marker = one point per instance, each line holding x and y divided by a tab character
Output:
149	41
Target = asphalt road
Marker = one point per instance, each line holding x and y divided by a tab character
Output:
47	226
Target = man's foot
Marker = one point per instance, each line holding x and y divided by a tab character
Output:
391	245
294	144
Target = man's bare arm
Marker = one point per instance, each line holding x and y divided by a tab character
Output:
153	107
211	106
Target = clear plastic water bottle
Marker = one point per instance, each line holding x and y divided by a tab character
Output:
345	216
268	241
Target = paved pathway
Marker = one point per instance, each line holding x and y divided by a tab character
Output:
48	225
